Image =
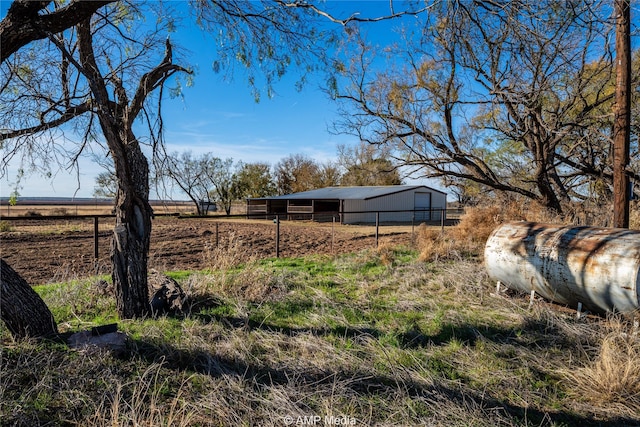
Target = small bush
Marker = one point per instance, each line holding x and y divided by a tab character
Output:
5	226
32	213
477	223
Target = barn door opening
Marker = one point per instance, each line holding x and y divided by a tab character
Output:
422	206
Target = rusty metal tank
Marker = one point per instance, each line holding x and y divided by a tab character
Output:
597	267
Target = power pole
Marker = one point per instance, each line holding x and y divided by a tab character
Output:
622	119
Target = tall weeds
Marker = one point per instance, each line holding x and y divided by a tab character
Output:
226	253
609	379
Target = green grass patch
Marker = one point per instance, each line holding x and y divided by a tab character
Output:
377	336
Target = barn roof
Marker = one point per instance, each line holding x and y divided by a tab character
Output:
350	193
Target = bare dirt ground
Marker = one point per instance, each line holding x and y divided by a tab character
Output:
53	251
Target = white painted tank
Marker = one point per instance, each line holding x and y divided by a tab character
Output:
598	267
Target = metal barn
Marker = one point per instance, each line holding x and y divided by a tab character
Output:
355	205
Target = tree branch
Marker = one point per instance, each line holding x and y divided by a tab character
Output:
66	116
24	24
154	78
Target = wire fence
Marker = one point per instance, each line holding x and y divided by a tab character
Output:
48	246
378	219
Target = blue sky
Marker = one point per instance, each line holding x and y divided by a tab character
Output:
220	116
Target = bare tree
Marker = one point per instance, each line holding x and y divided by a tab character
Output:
204	179
99	79
189	174
496	93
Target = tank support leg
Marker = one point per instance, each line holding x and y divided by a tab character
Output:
532	298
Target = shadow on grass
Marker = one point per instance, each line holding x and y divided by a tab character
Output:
533	334
359	382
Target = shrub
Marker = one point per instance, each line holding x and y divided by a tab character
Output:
5	226
477	223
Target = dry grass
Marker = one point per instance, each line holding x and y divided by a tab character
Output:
378	337
609	380
226	253
466	238
146	405
634	216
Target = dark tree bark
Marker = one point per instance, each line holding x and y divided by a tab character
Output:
21	308
24	24
131	237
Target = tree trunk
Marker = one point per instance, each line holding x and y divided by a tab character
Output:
21	308
131	236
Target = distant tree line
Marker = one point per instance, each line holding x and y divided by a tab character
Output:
206	179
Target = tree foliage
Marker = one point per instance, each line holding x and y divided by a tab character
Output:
297	172
220	174
254	180
364	164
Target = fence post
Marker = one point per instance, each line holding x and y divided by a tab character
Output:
442	220
377	226
217	235
413	225
333	235
277	221
95	238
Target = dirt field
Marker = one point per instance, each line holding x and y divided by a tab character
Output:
53	251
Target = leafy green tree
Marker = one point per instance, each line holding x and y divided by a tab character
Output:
254	180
